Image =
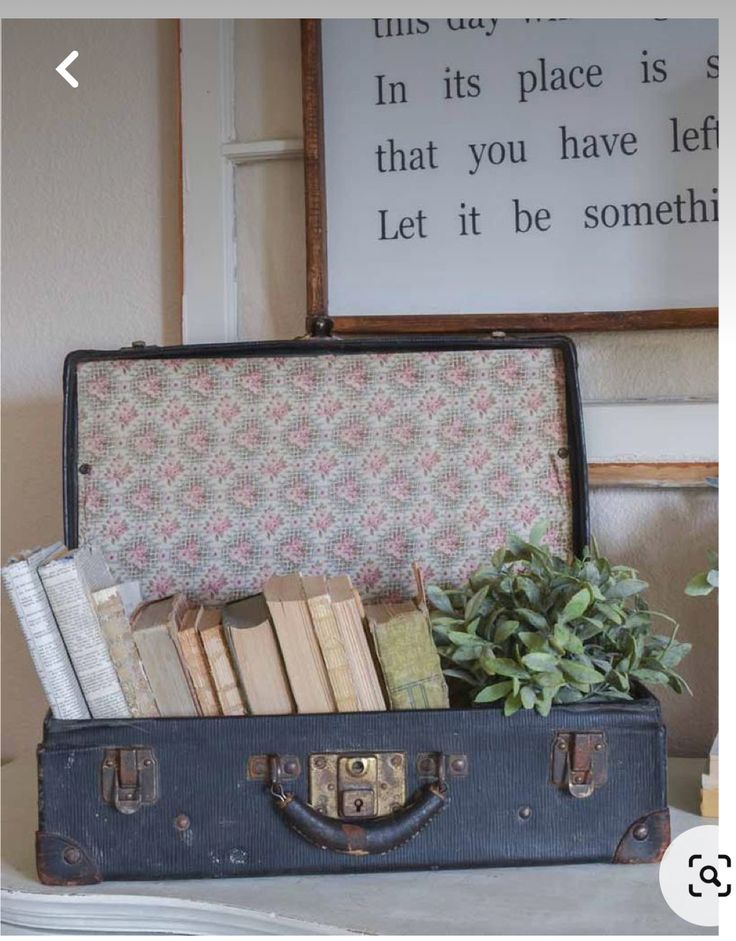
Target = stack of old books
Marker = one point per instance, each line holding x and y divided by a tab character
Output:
306	644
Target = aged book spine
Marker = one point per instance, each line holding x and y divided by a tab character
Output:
115	627
198	668
75	615
223	675
45	644
333	651
408	657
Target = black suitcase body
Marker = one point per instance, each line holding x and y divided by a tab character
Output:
148	437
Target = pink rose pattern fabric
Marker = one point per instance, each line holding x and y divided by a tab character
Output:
209	475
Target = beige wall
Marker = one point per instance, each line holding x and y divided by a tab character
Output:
90	258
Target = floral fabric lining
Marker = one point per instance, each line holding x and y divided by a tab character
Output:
209	475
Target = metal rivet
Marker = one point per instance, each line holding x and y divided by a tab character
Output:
320	762
330	787
182	822
291	766
563	452
579	779
525	812
397	761
458	765
109	763
641	832
599	746
85	469
72	855
359	767
425	765
395	806
562	745
147	762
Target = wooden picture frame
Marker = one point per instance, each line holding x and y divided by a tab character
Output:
318	312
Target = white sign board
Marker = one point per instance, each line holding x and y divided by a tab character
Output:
480	166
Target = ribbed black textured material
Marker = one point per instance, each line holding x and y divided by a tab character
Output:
234	828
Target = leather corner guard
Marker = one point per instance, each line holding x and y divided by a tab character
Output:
646	839
61	861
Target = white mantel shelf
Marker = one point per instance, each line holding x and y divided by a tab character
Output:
551	900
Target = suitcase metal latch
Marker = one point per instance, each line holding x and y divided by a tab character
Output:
357	786
129	778
579	762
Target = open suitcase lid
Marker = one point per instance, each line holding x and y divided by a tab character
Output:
208	468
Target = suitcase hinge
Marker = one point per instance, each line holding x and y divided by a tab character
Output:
129	778
579	762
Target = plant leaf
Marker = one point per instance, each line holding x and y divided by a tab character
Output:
698	585
531	640
502	666
512	704
540	662
625	588
462	639
528	697
494	692
533	617
650	676
439	600
580	672
538	532
472	608
576	606
504	630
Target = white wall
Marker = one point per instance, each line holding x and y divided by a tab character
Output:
91	257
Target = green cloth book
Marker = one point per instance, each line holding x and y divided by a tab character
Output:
408	657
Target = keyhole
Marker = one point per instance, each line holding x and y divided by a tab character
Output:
358	805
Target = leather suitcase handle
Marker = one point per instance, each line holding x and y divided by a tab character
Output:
367	837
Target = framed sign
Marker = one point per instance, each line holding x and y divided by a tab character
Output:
535	175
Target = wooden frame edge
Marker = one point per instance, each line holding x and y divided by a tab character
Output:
315	209
316	237
567	322
652	475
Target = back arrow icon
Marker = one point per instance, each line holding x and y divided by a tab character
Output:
61	69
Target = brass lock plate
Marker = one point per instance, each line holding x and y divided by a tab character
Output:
357	786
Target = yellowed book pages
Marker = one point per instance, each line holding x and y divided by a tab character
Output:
257	657
349	615
409	660
180	606
297	639
209	625
110	604
197	665
330	642
709	803
152	633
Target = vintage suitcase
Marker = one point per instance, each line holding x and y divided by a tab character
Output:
208	468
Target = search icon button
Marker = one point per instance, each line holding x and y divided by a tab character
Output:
711	878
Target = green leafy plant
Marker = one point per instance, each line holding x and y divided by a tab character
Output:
532	629
704	582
